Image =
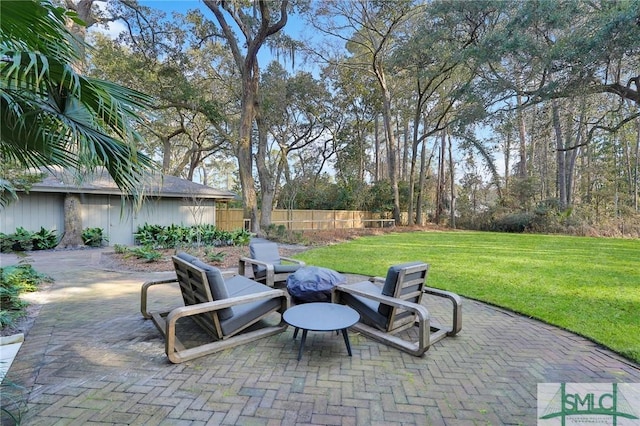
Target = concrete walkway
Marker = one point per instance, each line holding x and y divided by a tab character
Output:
90	358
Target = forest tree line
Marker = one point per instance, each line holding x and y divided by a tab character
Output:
502	115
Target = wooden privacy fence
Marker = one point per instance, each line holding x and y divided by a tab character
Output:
307	220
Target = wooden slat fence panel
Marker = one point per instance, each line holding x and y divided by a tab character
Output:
306	220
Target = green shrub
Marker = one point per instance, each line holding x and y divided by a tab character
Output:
147	253
281	234
214	257
514	222
23	240
241	237
45	239
148	234
93	237
120	249
175	236
15	280
6	242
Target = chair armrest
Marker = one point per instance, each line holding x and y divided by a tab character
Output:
201	308
419	310
252	261
247	260
288	259
270	273
145	291
457	307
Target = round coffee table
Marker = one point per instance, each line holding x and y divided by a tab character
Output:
321	317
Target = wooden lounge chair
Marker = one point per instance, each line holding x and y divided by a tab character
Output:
223	308
390	306
267	264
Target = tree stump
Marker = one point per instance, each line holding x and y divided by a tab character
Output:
72	237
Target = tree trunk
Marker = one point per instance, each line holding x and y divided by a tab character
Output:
441	179
377	176
267	181
507	157
391	142
636	167
247	64
522	134
452	184
422	182
561	180
72	237
245	157
412	169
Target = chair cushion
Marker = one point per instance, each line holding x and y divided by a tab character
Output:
286	268
246	313
263	251
217	287
390	282
367	308
186	257
282	268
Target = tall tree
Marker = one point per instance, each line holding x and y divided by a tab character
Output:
245	46
295	116
372	28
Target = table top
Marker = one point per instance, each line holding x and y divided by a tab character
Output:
321	316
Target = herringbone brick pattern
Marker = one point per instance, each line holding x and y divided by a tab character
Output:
90	358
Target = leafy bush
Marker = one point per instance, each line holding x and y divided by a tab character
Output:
23	240
15	280
93	237
45	239
175	236
5	243
281	234
148	234
146	252
514	222
214	257
241	237
120	249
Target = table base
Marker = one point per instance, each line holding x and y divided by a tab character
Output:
345	335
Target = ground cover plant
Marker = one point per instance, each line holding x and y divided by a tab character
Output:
175	236
14	281
590	286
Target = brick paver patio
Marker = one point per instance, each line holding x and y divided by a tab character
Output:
90	358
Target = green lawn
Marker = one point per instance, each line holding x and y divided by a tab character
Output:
590	286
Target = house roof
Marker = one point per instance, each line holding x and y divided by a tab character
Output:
100	182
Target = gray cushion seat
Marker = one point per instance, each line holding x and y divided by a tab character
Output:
268	252
246	312
375	313
236	317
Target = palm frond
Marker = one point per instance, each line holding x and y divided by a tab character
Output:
52	115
